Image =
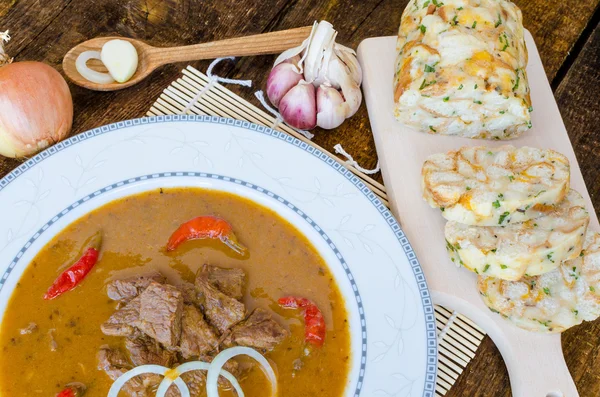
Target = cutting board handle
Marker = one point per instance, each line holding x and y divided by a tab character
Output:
542	372
535	362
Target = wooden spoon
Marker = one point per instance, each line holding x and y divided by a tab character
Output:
149	58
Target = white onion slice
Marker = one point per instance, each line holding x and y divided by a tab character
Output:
89	74
195	366
145	369
215	368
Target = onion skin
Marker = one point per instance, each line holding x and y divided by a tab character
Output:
298	107
36	108
281	79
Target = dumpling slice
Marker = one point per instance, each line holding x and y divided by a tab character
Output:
530	248
554	301
495	186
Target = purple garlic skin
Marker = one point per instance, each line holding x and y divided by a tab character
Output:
298	107
331	112
281	79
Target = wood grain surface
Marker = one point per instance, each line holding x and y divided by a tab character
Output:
566	33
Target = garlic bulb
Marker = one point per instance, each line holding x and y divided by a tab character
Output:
330	68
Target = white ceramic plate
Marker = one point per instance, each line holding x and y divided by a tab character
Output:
394	350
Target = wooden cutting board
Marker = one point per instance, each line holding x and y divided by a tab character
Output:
535	362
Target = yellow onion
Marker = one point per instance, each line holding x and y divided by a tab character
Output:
36	109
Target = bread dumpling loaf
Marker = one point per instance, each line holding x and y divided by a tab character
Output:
460	69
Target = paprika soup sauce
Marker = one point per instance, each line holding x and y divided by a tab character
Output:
46	344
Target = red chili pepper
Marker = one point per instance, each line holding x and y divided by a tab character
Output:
68	392
206	227
313	318
75	389
71	277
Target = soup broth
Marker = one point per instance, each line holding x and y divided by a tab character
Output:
135	230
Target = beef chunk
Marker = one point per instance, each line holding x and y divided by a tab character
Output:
161	307
115	363
222	311
228	281
197	337
145	350
258	331
123	322
127	289
190	293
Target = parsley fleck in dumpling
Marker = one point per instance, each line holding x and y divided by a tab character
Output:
554	301
529	248
495	186
460	69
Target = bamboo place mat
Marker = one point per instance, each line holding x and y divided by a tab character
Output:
458	337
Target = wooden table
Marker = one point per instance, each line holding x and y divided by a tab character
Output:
567	35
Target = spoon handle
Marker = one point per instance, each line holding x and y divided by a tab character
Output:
260	44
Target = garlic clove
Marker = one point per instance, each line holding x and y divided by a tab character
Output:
323	70
331	110
340	76
120	58
282	77
348	57
298	107
323	36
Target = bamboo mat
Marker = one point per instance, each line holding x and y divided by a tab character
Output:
458	337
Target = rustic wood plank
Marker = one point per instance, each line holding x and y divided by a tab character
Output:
45	30
579	103
170	22
26	19
578	100
556	26
160	22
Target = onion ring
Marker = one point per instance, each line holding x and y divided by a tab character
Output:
145	369
89	74
194	366
215	368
